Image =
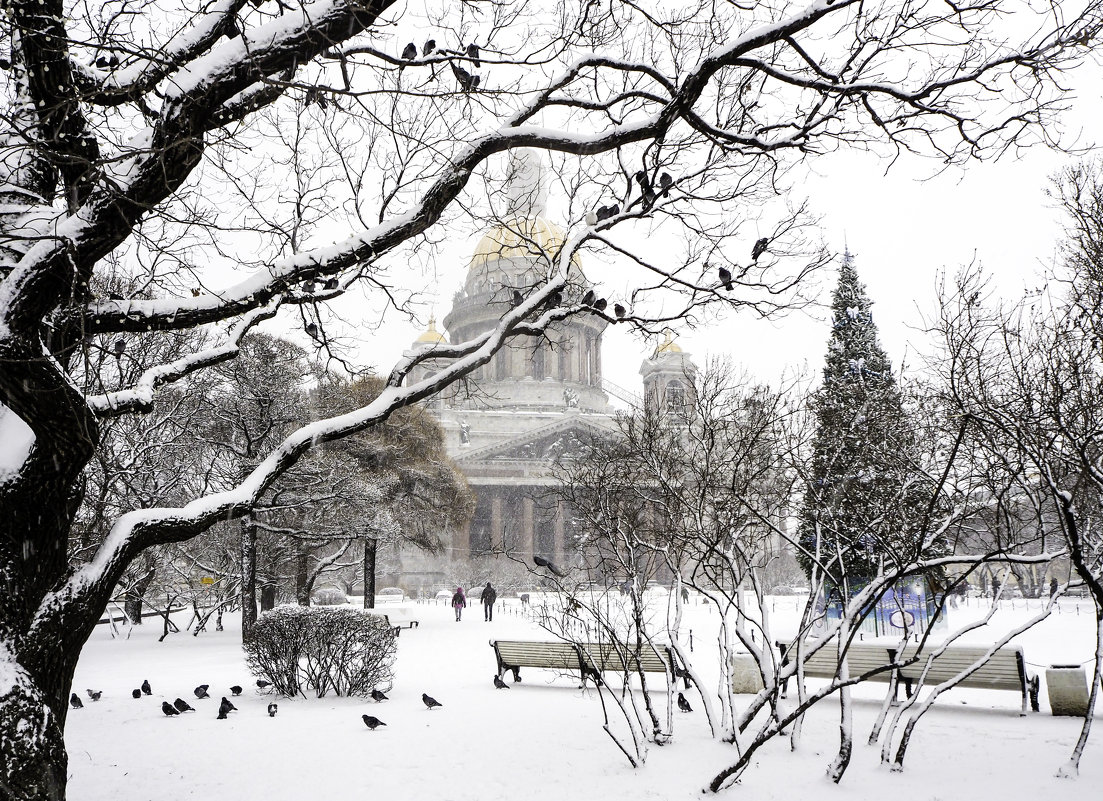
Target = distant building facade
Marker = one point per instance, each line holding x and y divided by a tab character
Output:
536	399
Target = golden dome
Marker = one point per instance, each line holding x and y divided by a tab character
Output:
534	237
432	336
668	345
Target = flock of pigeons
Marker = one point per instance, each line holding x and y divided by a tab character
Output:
468	81
179	706
372	722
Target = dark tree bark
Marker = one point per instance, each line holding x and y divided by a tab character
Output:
248	574
267	596
132	605
302	578
370	546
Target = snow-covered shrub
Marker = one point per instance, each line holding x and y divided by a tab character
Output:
329	597
300	648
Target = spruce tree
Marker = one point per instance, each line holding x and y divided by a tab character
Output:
865	502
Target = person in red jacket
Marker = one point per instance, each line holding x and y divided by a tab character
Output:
459	601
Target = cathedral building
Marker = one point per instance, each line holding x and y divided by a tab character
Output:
537	398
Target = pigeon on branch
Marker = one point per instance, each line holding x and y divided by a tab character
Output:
542	562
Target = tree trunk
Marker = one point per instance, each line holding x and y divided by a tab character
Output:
248	574
132	605
370	546
33	763
302	578
267	596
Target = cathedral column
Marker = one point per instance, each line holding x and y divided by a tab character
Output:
597	361
461	541
526	542
560	527
496	522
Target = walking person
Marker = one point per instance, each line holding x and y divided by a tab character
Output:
459	601
490	595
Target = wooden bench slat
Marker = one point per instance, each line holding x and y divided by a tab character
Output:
585	658
1004	670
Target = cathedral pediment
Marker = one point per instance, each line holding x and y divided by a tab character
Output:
543	444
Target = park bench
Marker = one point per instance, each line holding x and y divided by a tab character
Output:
397	624
587	659
824	664
1004	670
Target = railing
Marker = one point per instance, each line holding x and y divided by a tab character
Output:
619	392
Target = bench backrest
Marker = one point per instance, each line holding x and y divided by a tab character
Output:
860	658
561	655
615	656
1003	671
553	655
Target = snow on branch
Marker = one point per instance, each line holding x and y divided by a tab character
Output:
140	396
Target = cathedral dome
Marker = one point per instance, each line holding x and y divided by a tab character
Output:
431	336
527	238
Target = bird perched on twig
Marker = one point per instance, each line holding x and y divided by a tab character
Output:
169	709
182	705
146	688
683	704
467	81
201	690
605	212
378	696
75	702
600	304
665	182
94	694
473	54
235	690
225	708
759	248
645	188
429	46
725	277
261	683
272	709
518	298
371	721
409	52
619	311
499	684
542	562
429	701
588	298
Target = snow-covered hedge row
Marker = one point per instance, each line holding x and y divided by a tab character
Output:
300	648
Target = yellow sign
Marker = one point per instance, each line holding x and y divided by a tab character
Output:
206	580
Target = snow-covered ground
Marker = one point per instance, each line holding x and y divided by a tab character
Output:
540	739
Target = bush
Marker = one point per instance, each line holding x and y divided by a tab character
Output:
329	598
300	648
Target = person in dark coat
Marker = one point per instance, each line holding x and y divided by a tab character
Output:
490	595
459	601
1052	587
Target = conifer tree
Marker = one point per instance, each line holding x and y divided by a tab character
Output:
865	500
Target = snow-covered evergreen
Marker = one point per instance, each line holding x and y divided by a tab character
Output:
865	500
